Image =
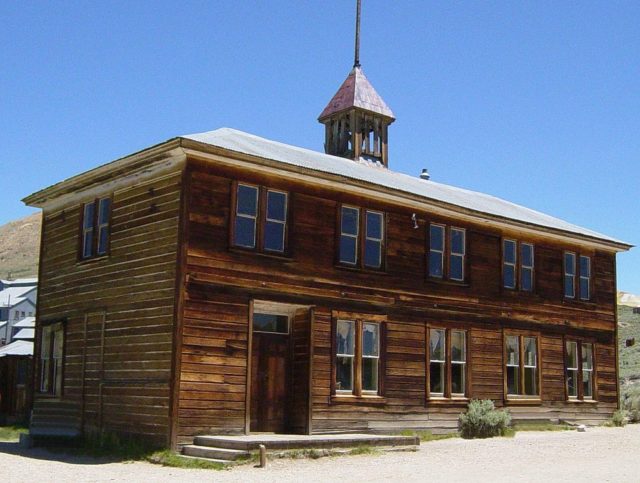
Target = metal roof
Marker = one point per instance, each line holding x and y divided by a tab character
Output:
14	295
27	322
24	334
17	348
357	91
242	142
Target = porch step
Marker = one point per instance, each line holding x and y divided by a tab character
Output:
213	453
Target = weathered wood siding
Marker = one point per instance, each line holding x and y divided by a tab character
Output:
220	281
119	310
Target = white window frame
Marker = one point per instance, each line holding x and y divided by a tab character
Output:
102	226
567	274
462	363
273	220
516	364
528	366
248	217
350	235
583	277
462	254
352	357
442	362
590	370
524	267
575	369
513	264
86	230
376	357
379	241
443	230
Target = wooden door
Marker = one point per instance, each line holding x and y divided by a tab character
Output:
269	382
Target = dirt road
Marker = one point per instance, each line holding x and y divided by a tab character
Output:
599	455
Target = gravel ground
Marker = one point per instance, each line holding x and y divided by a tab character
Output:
600	454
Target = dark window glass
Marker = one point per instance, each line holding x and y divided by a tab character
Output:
373	242
585	278
569	275
103	226
457	241
436	251
246	213
245	232
348	249
509	275
87	229
510	251
457	378
349	235
437	343
276	206
345	352
436	237
456	267
350	220
247	200
271	323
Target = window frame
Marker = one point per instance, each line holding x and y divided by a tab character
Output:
518	265
580	397
521	396
361	238
260	220
53	370
447	394
95	229
447	253
357	391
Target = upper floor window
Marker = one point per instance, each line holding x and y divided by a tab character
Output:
447	252
361	237
447	374
577	276
96	217
579	370
521	371
357	356
517	265
260	219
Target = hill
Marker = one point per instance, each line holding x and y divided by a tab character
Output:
19	247
629	328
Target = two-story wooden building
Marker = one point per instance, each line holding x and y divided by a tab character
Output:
225	283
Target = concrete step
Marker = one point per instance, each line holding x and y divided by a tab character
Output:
214	453
212	460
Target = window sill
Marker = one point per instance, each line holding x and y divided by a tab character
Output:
522	401
87	261
272	255
446	281
351	399
576	302
355	268
582	401
447	401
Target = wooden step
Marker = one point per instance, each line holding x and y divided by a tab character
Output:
213	453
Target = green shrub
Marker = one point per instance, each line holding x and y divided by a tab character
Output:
619	418
483	420
631	402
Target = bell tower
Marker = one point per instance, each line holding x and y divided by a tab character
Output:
356	119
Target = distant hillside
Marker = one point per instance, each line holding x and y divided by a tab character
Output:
628	299
629	328
20	246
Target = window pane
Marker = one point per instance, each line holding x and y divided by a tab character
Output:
587	356
436	345
45	344
513	351
57	343
270	323
585	267
526	279
374	225
569	264
568	286
572	355
349	222
87	244
370	339
344	374
274	236
247	200
526	255
509	274
436	377
276	206
89	211
530	353
373	254
436	237
348	249
457	241
513	380
103	240
584	289
435	264
530	381
572	383
587	384
509	251
105	208
345	337
456	267
457	379
369	374
245	234
458	349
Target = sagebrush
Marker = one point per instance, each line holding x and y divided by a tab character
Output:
631	402
483	420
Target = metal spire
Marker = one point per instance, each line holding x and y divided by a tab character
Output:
356	62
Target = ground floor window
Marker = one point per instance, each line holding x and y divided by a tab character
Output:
579	370
522	375
358	355
447	362
51	358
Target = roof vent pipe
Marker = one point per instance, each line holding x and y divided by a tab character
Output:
425	174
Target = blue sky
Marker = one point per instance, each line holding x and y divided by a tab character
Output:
536	102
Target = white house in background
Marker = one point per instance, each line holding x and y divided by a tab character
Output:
16	303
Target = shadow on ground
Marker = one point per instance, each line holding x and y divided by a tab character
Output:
61	454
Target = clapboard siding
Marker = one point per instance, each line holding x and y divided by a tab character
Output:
220	282
119	309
